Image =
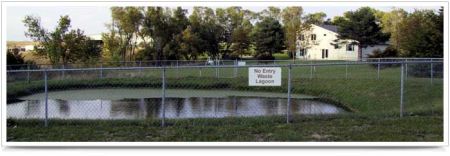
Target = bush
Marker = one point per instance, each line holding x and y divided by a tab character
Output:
389	52
265	56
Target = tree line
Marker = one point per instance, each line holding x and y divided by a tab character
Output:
162	33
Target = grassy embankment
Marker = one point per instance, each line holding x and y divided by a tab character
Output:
374	104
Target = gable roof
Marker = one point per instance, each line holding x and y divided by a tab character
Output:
332	28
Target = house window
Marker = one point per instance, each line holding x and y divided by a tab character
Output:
336	46
302	37
350	47
313	37
324	53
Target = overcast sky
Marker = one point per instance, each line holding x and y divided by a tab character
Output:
93	19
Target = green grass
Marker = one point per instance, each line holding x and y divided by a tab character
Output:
281	56
374	104
303	128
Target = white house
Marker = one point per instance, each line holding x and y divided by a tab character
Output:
321	43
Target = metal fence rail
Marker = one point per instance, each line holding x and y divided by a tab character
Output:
379	86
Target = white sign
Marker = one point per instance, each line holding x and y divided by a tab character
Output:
264	76
241	63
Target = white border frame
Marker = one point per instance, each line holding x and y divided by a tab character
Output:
6	4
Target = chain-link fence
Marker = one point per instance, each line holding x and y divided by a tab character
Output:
172	91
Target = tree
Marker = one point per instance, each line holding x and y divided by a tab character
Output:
362	26
316	18
205	24
127	21
293	27
189	44
157	26
390	22
241	39
112	47
268	38
13	57
270	12
60	45
177	23
421	34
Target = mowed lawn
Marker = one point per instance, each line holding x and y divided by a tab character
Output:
373	102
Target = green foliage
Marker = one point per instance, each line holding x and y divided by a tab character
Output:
268	37
127	21
234	31
14	58
189	44
270	12
421	34
293	26
205	24
178	24
360	25
273	128
388	52
317	18
60	45
390	22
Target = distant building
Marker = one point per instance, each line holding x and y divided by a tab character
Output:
321	42
29	47
20	46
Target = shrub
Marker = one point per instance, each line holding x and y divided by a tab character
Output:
389	52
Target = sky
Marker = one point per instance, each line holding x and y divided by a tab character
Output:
92	19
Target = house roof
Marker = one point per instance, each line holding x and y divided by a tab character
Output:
332	28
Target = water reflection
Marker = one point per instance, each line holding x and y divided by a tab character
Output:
193	107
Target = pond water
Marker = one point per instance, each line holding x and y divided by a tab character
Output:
146	103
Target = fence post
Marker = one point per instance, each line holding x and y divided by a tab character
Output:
346	70
101	70
217	69
46	98
163	101
62	71
401	89
177	70
140	67
431	71
235	68
28	73
288	108
378	70
406	69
